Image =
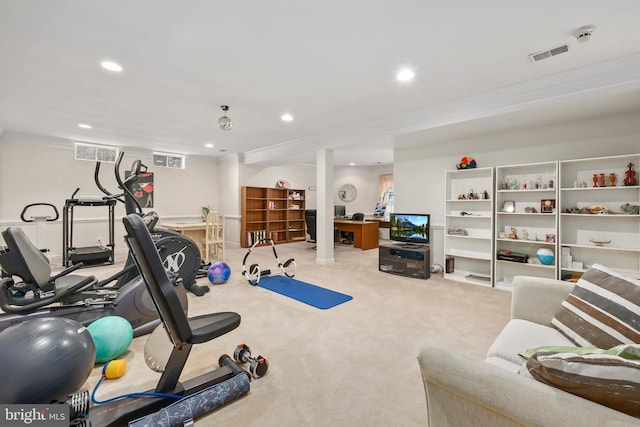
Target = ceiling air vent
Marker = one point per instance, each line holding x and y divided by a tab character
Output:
539	56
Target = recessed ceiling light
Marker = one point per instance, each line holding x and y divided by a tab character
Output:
352	164
405	75
287	117
84	126
111	66
209	145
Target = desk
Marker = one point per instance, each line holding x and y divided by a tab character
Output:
383	223
365	233
196	231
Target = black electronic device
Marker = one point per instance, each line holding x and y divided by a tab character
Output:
409	262
339	211
507	255
410	228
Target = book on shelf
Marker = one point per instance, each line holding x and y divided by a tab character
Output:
251	237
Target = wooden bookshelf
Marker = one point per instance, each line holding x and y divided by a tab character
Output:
272	212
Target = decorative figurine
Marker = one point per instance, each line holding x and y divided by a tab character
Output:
595	179
630	209
612	179
630	176
602	183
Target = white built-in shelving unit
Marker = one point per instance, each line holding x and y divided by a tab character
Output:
582	210
468	238
526	220
610	237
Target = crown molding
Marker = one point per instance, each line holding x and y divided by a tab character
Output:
615	75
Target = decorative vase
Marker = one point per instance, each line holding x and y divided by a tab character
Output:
602	182
545	256
612	179
595	179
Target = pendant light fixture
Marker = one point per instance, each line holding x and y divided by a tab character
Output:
225	122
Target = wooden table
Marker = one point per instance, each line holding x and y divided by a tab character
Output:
196	231
383	223
365	233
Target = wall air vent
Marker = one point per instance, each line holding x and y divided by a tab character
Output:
95	152
539	56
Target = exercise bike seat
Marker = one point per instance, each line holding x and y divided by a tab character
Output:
23	259
181	329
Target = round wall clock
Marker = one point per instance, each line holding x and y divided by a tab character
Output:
348	193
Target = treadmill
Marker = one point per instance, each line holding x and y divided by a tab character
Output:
87	255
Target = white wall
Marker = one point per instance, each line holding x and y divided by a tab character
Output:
419	171
366	182
227	184
36	173
304	178
299	177
40	169
31	173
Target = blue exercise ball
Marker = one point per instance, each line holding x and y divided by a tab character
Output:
219	272
44	360
112	336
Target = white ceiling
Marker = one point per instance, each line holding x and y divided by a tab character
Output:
331	64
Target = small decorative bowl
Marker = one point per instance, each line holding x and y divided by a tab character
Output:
600	242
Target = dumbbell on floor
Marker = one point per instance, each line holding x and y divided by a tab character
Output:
258	366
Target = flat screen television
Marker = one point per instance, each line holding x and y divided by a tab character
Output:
339	211
410	228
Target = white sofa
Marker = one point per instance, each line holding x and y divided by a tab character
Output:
462	391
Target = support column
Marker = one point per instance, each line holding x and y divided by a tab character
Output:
324	207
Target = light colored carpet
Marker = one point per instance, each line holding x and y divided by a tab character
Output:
354	364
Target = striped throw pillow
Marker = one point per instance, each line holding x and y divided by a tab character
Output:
609	380
602	310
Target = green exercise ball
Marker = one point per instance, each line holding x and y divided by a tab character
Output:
112	336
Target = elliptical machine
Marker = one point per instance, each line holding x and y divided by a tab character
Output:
84	298
180	255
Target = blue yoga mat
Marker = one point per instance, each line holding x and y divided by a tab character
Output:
304	292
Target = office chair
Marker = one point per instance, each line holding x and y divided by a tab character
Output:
310	220
347	235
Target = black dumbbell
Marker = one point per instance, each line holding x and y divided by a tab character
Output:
258	366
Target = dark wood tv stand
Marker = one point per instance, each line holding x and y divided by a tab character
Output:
405	259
